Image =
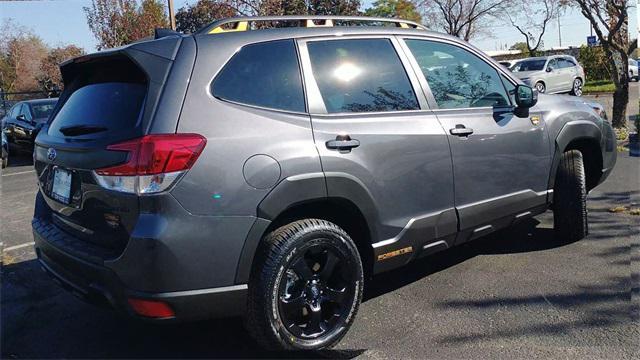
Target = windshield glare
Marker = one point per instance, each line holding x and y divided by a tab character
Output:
529	65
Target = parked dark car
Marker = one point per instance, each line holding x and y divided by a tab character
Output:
266	173
5	150
22	123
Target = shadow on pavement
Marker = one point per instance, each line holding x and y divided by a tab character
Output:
41	320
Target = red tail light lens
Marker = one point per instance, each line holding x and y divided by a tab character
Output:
151	308
157	154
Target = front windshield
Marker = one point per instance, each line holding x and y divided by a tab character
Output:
529	65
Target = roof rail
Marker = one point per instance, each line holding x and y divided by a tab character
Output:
242	23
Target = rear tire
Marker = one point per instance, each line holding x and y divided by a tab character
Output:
570	198
305	287
576	87
541	87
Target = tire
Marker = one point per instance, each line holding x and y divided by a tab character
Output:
5	162
570	198
540	86
293	262
576	87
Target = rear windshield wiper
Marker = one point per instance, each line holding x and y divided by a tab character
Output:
75	130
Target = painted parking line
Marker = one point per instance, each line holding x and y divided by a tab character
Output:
19	173
16	247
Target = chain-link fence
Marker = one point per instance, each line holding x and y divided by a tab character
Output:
8	99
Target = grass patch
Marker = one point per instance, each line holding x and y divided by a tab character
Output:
598	86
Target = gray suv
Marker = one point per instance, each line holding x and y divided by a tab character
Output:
268	172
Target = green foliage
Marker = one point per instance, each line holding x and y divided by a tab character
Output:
119	22
399	9
595	63
193	17
522	46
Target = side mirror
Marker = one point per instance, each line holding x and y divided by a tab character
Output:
549	69
21	117
526	98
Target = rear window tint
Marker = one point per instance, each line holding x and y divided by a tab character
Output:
111	105
360	75
264	74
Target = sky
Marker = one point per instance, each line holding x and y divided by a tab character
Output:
61	22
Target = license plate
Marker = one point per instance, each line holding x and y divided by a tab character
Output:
61	189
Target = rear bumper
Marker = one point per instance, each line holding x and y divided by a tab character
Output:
99	285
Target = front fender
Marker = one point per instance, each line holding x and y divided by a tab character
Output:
572	131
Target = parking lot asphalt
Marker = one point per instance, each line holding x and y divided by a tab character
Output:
518	293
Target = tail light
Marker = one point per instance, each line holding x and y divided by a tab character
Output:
154	162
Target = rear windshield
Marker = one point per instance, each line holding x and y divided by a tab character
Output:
42	110
102	107
529	65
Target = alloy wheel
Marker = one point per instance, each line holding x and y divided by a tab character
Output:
316	293
577	87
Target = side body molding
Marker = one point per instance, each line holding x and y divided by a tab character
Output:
572	130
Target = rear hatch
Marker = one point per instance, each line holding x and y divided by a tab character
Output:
109	97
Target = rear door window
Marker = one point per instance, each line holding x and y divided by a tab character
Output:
360	75
263	74
100	108
26	112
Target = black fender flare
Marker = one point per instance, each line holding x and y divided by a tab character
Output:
571	131
299	189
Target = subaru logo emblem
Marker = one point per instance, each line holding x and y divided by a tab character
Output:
51	154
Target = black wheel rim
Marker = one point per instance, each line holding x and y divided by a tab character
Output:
316	292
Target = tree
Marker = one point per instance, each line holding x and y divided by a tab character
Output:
399	9
462	18
119	22
192	17
295	7
522	46
23	57
609	19
531	17
50	79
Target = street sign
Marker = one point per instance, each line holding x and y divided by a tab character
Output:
592	41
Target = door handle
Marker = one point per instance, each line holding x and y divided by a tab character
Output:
342	142
461	130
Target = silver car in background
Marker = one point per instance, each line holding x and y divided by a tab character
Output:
551	74
633	70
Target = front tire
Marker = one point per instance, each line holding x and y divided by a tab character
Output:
540	86
570	198
576	89
305	287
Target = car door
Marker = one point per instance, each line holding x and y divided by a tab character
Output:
500	161
11	120
379	144
553	79
22	124
567	70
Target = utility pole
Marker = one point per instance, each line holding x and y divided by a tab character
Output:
172	15
559	32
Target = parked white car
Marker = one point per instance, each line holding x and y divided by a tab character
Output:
551	74
633	70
